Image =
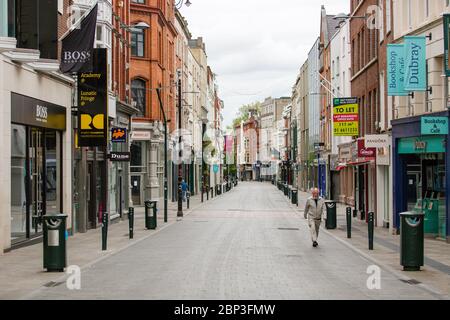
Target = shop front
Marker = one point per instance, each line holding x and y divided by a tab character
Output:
36	164
421	160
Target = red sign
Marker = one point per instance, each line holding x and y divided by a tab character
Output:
345	117
363	152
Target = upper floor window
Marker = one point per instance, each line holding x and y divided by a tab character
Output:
7	18
139	95
138	1
138	43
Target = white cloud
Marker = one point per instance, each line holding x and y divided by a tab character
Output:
257	46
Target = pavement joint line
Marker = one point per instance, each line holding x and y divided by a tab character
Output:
396	273
111	253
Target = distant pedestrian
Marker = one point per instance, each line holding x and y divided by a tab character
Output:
314	209
184	189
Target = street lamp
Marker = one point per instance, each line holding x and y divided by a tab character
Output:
180	3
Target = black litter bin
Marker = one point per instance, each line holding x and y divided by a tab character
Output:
412	240
55	257
294	197
150	214
331	222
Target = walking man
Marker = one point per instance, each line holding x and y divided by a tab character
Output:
314	209
184	189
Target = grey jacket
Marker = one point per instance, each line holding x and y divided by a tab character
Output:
314	211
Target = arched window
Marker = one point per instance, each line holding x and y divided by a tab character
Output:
139	95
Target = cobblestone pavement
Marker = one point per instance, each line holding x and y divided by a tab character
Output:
249	243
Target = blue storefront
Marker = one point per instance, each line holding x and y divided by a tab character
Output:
421	159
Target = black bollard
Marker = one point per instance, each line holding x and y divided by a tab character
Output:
371	226
355	213
349	222
131	222
207	195
363	215
212	192
105	231
188	199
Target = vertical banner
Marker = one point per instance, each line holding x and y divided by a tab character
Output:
396	70
447	43
93	103
77	46
416	65
345	117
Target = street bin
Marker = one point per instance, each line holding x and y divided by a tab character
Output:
54	228
150	214
294	197
331	222
412	240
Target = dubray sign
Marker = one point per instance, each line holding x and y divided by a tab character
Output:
415	56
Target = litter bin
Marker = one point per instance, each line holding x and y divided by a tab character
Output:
294	197
54	227
331	215
150	214
412	240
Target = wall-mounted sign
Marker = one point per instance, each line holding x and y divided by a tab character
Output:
396	70
447	44
141	135
377	140
364	152
93	103
118	135
416	65
434	125
425	144
120	156
384	156
345	117
38	113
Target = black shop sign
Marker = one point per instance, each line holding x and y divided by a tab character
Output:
93	103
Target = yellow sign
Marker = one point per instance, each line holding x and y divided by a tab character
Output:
345	117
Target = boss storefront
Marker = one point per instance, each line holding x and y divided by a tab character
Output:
36	164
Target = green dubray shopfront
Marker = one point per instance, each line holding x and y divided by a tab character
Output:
420	164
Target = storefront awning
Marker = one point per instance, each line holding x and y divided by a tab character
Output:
361	162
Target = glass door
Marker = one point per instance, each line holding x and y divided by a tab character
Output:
36	163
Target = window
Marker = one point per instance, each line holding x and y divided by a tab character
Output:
138	1
138	43
99	33
427	8
380	4
139	95
387	9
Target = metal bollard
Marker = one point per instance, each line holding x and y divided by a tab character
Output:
188	199
355	213
131	222
105	231
212	192
363	215
371	226
207	195
349	222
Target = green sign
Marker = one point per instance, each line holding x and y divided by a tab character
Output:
447	43
426	144
434	125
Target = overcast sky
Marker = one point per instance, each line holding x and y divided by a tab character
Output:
256	47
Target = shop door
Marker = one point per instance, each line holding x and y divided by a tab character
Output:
37	208
136	189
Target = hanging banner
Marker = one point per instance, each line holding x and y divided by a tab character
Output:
77	46
416	65
447	43
396	70
345	117
93	103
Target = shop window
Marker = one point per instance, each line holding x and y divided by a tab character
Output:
138	156
37	26
139	95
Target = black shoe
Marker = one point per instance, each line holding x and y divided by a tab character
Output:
315	244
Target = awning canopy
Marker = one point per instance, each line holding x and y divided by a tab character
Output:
361	162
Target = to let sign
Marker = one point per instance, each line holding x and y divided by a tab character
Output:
434	125
345	117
